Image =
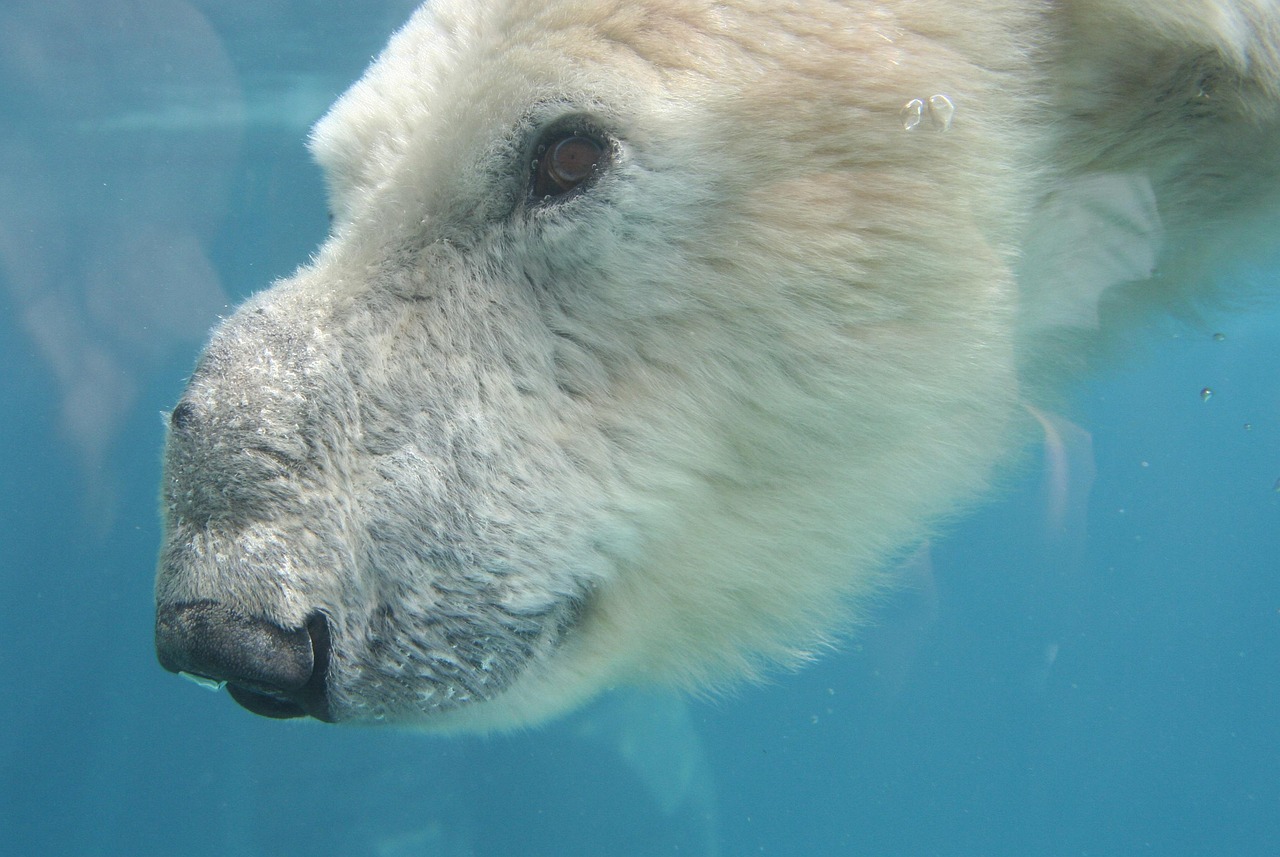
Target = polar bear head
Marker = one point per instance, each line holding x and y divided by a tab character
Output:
645	332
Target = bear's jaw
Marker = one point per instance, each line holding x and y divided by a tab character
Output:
295	625
410	670
419	669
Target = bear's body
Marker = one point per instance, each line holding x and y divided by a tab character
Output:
648	331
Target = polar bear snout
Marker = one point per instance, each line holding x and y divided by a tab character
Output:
269	670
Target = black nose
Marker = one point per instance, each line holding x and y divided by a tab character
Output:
270	670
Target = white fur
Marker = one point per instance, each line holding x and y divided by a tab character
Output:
780	338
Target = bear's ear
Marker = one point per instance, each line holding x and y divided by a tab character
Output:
1092	233
358	137
366	127
1241	34
338	155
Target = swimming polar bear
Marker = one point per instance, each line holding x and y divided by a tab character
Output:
648	331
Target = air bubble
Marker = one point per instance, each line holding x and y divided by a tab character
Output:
204	681
912	114
941	111
1219	337
1206	394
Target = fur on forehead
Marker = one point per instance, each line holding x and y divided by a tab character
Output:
441	93
446	78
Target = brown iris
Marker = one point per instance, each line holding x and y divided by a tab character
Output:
565	164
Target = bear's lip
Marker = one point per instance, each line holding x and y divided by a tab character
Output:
270	670
310	700
273	706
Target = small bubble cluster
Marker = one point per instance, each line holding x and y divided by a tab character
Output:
938	109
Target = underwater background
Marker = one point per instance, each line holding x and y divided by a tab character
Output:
1089	664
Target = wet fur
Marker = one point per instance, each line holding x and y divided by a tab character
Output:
671	428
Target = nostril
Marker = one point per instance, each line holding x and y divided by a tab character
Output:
273	671
209	639
183	416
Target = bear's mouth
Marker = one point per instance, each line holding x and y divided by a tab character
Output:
268	704
267	669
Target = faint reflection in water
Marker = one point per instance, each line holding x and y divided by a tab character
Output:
105	223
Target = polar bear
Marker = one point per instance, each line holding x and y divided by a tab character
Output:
649	331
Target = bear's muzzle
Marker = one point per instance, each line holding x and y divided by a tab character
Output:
272	671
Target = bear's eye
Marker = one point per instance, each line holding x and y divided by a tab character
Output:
565	162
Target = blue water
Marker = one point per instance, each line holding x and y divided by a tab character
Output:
1106	687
